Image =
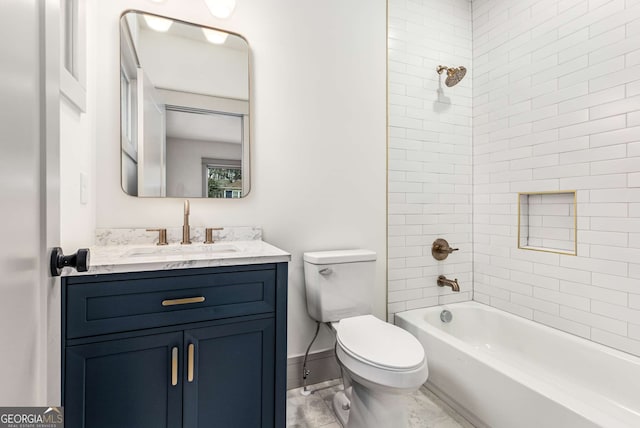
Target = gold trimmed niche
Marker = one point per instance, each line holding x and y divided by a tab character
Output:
548	221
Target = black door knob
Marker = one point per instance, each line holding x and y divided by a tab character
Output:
78	260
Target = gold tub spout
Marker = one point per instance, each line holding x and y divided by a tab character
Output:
453	283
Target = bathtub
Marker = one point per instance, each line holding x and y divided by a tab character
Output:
504	371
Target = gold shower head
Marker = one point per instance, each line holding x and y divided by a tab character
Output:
454	75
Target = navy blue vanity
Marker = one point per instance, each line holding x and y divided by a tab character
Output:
197	347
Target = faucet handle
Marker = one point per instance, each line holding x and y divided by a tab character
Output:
208	232
162	235
441	249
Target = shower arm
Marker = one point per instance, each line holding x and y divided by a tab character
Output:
441	68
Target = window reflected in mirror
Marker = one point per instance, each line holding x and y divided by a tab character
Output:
223	181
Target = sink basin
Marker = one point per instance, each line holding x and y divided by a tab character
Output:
181	249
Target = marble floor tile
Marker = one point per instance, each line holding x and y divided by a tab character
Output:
310	411
315	410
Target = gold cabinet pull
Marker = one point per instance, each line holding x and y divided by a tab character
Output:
185	301
190	350
174	366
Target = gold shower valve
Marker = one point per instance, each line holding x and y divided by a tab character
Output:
440	249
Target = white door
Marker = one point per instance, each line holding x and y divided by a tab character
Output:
29	191
151	139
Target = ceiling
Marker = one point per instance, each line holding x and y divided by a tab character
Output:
204	127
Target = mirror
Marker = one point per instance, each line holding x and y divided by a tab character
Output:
184	100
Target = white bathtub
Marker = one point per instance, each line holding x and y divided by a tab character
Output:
503	371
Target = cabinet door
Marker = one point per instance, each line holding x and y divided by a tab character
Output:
229	376
133	382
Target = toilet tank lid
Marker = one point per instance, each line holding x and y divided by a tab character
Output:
339	256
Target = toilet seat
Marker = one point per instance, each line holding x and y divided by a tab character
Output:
379	344
380	353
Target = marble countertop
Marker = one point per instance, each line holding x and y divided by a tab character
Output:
148	257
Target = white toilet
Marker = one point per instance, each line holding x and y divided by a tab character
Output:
381	361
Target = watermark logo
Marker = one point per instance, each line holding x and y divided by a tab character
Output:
31	417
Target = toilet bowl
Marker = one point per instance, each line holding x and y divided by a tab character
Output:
381	362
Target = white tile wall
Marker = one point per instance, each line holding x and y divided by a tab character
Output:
556	106
429	151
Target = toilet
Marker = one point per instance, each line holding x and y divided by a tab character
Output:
381	362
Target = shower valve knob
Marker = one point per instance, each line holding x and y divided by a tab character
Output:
440	249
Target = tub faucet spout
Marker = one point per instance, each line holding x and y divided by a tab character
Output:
453	283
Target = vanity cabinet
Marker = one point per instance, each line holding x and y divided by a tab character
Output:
186	348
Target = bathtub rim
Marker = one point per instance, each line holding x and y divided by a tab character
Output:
556	331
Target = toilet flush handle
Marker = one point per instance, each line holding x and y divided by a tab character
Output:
325	271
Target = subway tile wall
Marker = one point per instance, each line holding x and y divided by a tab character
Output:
430	157
556	106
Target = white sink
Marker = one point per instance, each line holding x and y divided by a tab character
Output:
181	249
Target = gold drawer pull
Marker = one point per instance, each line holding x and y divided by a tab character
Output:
174	366
190	362
184	301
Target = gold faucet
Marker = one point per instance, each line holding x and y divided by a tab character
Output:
443	281
162	235
208	232
186	232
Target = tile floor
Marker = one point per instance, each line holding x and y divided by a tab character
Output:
315	410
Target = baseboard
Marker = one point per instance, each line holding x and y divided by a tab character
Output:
322	366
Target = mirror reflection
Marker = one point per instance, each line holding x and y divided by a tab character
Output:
184	97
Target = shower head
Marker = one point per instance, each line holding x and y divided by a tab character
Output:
454	75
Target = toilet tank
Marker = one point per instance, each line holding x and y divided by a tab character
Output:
339	284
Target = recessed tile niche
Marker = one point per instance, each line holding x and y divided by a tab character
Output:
547	221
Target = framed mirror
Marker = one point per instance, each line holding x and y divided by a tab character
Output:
184	102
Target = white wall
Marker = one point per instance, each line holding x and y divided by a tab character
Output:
429	151
77	228
221	71
318	133
184	163
77	155
557	107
